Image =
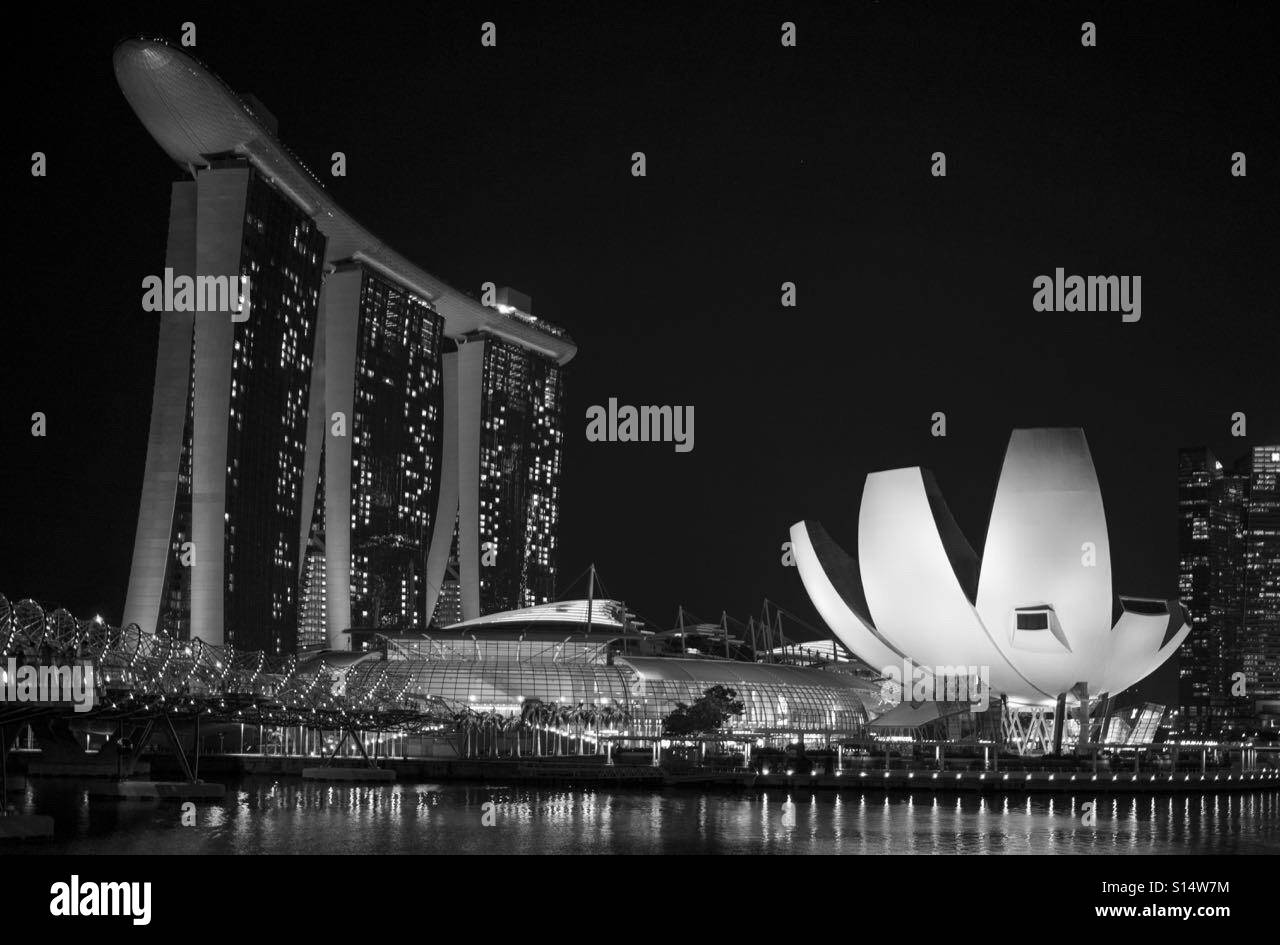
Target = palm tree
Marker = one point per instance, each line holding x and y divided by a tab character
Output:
575	719
531	714
550	712
603	714
468	720
493	721
526	719
591	721
478	723
621	718
512	723
560	715
460	723
543	716
600	715
606	717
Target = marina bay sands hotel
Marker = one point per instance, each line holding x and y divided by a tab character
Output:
366	446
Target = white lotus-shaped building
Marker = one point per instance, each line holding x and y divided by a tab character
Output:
1036	609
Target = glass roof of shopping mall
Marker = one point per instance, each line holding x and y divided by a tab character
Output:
775	698
600	613
736	673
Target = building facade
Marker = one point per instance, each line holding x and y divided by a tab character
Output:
221	504
1031	619
1210	531
1260	649
1229	578
361	438
518	456
377	438
570	655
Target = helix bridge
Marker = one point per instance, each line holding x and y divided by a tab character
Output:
143	680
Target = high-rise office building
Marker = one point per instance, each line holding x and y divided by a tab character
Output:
1211	511
315	464
1260	649
1229	579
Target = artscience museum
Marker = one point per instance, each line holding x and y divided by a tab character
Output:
1034	611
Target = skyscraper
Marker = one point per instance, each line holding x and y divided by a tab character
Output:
310	463
1210	511
509	447
377	437
217	535
1229	579
518	462
1260	650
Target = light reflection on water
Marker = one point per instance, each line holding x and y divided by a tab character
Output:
269	815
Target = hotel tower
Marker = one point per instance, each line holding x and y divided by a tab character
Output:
366	447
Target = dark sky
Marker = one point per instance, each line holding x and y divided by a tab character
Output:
765	165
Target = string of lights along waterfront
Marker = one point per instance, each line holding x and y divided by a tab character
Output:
271	815
410	573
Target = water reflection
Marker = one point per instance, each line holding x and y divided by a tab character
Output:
273	815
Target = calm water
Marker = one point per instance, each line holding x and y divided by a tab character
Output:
270	815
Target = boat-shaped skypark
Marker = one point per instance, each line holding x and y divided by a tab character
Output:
366	448
196	118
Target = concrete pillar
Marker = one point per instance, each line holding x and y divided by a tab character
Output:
1105	722
317	430
1081	692
1059	722
152	556
470	415
442	523
340	313
220	208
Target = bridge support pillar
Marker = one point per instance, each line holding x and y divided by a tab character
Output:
1081	691
1059	722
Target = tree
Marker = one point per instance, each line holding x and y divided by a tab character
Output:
493	724
531	714
583	714
512	723
561	716
464	721
707	714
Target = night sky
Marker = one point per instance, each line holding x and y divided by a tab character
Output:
765	165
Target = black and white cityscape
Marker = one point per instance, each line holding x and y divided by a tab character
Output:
354	501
